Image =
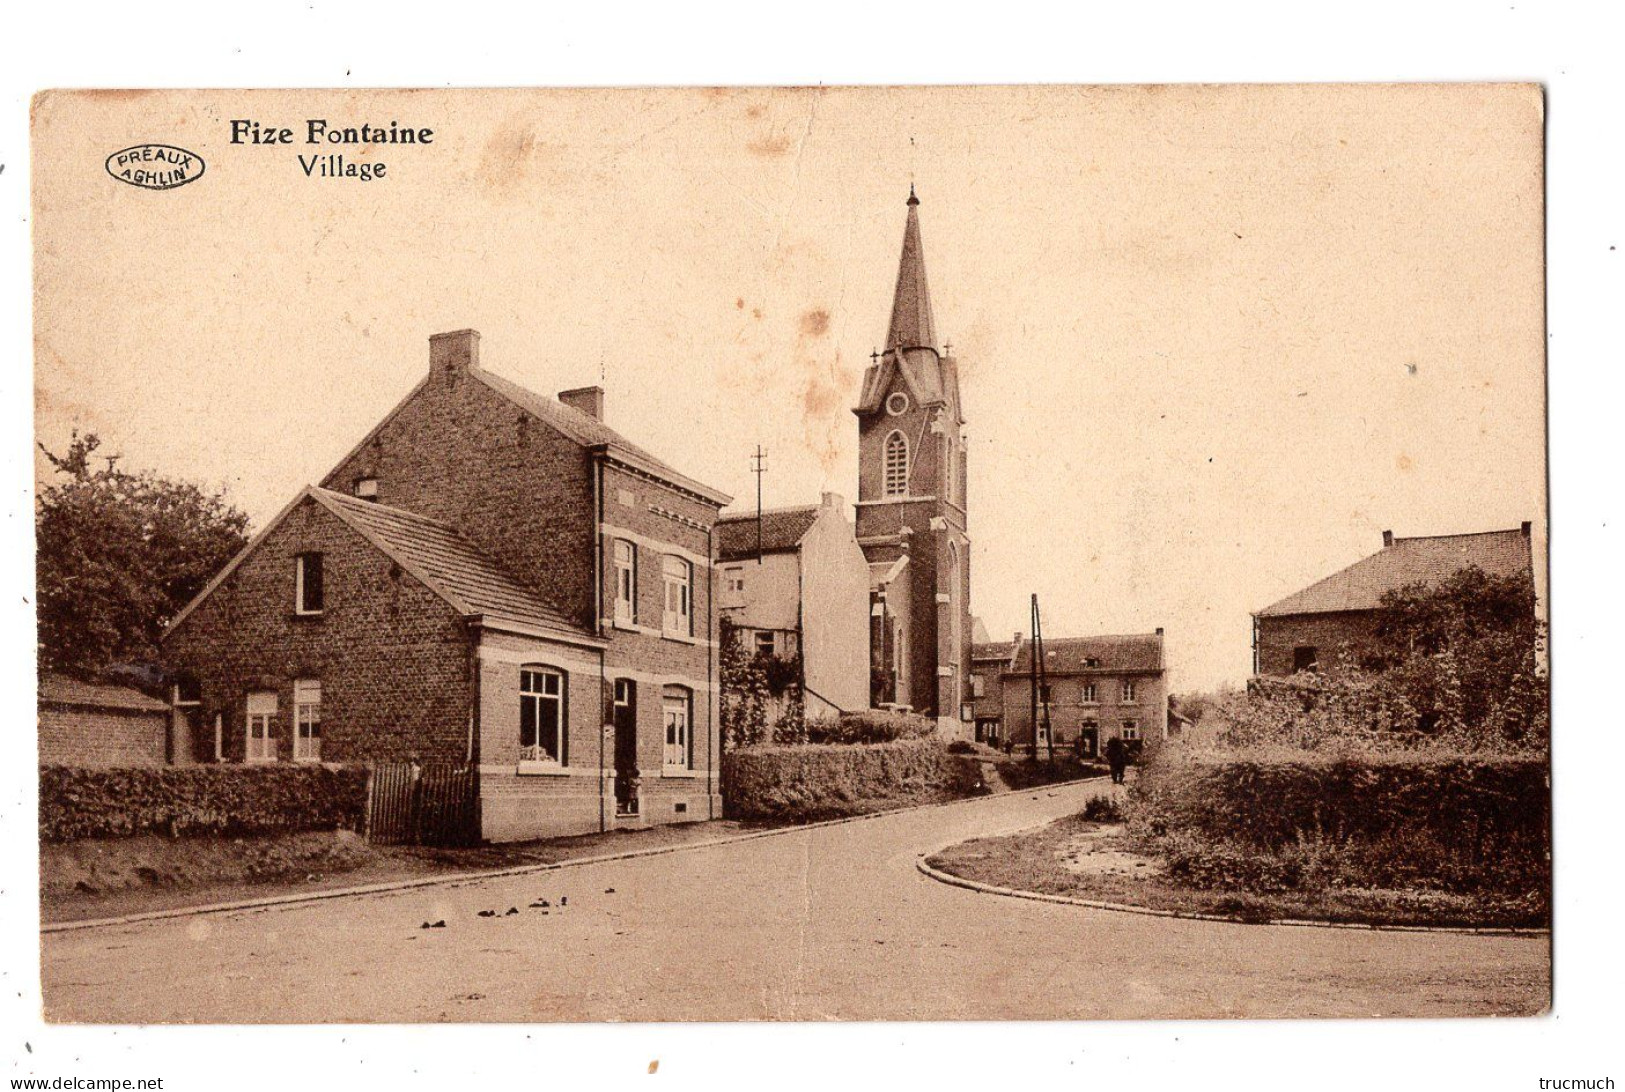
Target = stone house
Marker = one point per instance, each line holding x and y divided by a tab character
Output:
1094	688
489	578
97	724
1311	629
796	582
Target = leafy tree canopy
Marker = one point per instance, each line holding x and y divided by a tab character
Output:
119	554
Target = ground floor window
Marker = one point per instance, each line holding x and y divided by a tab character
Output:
1131	730
262	726
766	645
307	720
541	715
678	705
1305	658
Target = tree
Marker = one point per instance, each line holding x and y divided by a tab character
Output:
119	554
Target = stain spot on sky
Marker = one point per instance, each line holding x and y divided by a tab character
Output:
815	322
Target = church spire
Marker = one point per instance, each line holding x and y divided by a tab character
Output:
912	326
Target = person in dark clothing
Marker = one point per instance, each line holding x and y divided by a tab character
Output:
1116	758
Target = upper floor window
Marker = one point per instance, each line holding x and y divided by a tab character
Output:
626	581
896	483
1129	690
367	488
678	616
677	704
307	720
978	687
733	579
261	726
307	583
766	645
541	715
1091	693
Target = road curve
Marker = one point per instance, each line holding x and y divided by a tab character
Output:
832	923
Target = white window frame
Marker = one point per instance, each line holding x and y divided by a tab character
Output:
769	646
542	687
300	563
366	488
307	720
677	604
1129	691
895	465
626	581
677	720
1090	694
733	579
1131	729
260	711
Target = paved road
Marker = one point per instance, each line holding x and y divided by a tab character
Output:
831	923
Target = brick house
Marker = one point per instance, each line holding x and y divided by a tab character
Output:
489	578
989	661
1094	687
97	724
1312	628
796	582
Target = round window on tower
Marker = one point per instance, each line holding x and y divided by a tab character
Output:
897	403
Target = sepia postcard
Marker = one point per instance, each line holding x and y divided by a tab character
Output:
810	553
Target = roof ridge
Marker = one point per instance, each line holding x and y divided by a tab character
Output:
1459	534
781	510
366	505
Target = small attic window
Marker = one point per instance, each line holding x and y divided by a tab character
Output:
367	488
1090	661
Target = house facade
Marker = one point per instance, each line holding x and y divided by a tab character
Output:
491	578
911	511
794	582
1336	618
1092	689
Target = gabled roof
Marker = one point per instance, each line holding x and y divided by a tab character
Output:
588	431
1116	652
66	690
1408	561
782	529
993	650
435	554
448	564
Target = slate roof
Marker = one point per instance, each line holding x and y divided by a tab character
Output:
1408	561
588	431
993	650
444	560
782	529
65	690
1120	652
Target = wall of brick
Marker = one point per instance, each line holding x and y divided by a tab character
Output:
1069	714
392	657
74	735
1328	634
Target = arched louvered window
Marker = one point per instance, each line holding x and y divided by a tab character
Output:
896	465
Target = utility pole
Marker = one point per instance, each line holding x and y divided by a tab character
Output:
759	467
1043	676
1032	676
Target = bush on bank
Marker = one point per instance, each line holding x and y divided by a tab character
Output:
187	801
827	781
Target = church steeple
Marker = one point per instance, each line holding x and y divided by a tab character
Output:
912	326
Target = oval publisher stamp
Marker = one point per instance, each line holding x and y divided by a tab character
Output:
155	166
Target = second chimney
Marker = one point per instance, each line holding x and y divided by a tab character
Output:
454	352
589	400
1387	539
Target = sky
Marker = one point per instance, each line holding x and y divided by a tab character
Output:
1213	341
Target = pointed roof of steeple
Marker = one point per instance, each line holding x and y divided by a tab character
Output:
912	326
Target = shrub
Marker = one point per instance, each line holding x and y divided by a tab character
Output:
825	781
1020	772
961	747
190	801
1102	809
1460	821
871	726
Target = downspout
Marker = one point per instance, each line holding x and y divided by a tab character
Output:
474	694
598	629
711	729
1255	645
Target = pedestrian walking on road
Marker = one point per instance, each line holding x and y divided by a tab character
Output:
1116	758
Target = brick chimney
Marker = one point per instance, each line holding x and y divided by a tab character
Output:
589	400
453	353
1524	528
831	500
1387	539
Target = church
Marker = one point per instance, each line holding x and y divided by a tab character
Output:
911	521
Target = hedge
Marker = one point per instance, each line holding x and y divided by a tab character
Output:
190	801
1461	820
826	781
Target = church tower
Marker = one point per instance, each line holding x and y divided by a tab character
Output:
911	518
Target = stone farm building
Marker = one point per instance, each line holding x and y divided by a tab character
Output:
1093	688
1312	628
490	578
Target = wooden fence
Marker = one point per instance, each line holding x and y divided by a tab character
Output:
433	805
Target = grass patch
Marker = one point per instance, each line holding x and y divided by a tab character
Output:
1084	859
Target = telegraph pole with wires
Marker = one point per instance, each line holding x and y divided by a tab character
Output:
1032	677
759	467
1043	676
